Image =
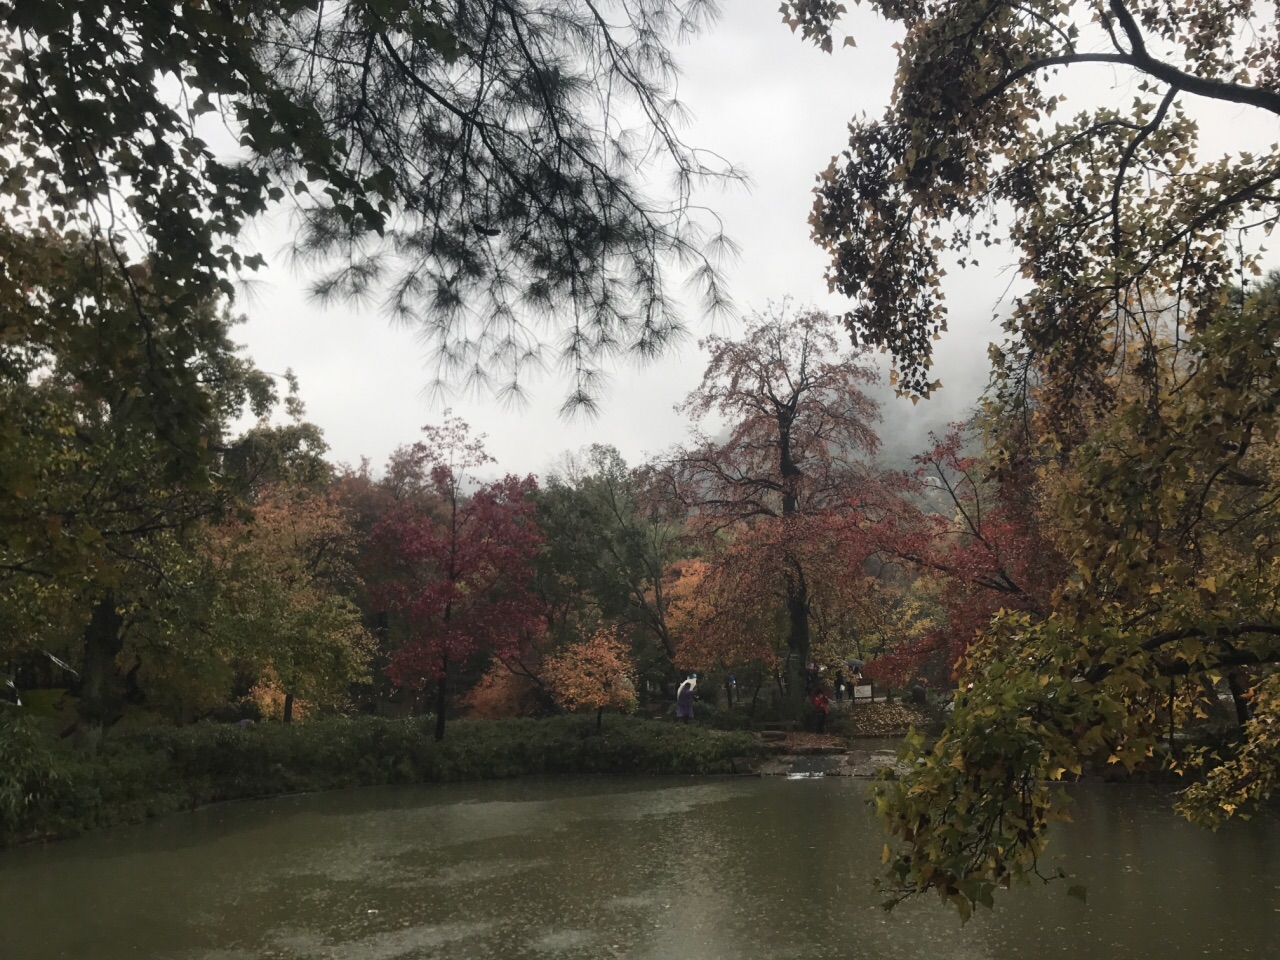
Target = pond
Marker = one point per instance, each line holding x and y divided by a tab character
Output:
592	868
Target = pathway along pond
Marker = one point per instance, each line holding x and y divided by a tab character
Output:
702	869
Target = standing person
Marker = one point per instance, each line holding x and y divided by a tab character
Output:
684	699
821	703
839	685
810	677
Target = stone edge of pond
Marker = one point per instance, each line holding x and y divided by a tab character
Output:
819	762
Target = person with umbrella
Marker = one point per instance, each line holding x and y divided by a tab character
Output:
684	698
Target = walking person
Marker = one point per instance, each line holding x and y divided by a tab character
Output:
684	699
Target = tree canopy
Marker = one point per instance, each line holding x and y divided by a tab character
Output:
459	567
1108	211
1131	411
476	167
791	482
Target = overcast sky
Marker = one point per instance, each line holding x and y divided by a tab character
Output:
760	97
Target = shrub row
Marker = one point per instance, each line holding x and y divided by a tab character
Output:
47	790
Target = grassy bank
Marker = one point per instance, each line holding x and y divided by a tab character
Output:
48	791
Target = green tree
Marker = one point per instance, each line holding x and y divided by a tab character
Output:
610	536
283	579
1107	211
96	558
1165	511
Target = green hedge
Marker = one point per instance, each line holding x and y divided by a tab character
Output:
47	790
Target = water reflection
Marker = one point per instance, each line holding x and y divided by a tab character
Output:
590	868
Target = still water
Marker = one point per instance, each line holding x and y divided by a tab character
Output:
702	869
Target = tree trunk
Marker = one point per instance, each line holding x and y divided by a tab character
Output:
97	696
797	589
442	698
599	719
1243	713
288	708
797	643
755	694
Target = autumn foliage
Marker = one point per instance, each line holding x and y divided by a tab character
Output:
463	587
720	615
502	693
787	492
595	675
976	543
458	569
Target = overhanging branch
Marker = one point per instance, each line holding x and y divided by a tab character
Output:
1140	59
1230	657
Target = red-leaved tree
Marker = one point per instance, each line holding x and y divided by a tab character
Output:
459	565
793	477
980	536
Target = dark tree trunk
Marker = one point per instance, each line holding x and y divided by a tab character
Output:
97	684
1243	714
599	719
288	708
132	689
442	692
664	637
755	694
797	643
797	589
442	698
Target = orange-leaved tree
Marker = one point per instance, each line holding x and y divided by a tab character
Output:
282	609
502	692
722	615
593	675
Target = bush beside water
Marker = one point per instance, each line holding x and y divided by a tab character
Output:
49	791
